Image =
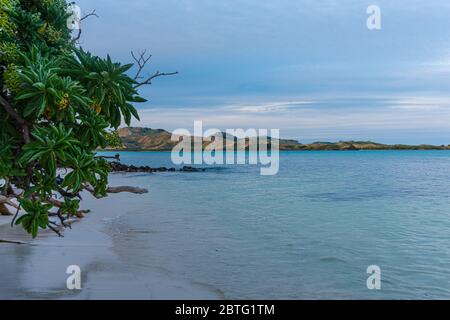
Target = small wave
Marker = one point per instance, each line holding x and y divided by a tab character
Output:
331	259
215	168
213	289
128	175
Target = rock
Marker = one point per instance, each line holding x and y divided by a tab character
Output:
192	169
119	167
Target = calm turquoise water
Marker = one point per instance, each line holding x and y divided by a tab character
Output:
309	232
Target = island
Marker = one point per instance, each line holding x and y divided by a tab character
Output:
147	139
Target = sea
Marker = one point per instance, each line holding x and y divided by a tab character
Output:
315	230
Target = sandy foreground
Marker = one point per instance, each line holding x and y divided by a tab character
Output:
37	268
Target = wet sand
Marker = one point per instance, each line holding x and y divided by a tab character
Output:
37	269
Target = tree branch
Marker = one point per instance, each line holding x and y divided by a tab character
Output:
89	15
78	36
70	195
155	75
55	230
21	121
83	18
15	217
58	204
141	60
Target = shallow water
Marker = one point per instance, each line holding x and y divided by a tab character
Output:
309	232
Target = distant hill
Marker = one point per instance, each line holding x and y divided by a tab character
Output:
135	138
146	139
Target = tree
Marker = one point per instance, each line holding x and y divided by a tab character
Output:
58	105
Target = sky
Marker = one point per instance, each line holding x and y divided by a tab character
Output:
309	68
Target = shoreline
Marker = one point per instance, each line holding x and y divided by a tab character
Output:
287	150
169	244
90	245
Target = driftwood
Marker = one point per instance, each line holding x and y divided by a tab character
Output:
5	200
118	189
4	211
129	189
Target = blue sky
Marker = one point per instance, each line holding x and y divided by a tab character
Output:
310	68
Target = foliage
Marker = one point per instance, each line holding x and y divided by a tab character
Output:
113	140
69	207
65	104
36	216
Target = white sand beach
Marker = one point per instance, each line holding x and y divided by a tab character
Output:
37	268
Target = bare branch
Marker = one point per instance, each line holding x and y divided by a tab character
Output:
55	230
141	60
155	75
78	36
89	15
92	14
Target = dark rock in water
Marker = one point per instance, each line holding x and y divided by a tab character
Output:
192	169
119	167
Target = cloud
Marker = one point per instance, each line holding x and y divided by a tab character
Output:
370	117
263	64
271	107
421	103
